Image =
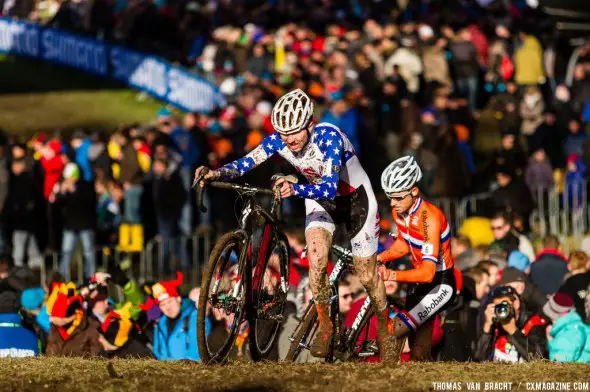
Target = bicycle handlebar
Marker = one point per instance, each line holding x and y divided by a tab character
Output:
225	185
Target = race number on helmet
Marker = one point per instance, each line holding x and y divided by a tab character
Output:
292	112
400	175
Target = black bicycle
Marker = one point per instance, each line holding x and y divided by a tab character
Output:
246	279
347	343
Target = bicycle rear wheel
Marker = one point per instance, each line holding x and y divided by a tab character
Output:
303	334
223	296
360	344
270	284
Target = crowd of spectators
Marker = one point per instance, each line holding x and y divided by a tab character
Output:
476	91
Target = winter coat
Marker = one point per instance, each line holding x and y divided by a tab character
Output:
571	339
16	340
527	343
539	175
79	207
181	342
23	202
131	171
460	325
465	61
514	197
548	271
52	169
574	143
83	341
436	67
531	111
528	61
83	160
410	66
189	149
576	286
169	195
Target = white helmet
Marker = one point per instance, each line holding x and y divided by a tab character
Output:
400	175
292	112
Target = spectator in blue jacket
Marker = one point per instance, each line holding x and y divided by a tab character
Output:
81	145
175	335
15	340
568	337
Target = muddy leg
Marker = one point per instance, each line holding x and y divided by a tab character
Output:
319	242
420	349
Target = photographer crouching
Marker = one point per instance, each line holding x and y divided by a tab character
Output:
508	334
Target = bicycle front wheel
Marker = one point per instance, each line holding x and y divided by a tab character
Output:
270	279
222	298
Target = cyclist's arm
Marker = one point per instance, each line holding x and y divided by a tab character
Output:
332	146
424	273
267	148
398	249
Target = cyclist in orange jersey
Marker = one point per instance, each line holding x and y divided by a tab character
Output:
423	233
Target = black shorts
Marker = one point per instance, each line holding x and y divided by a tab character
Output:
424	300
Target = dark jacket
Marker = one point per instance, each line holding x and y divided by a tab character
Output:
130	170
464	59
548	270
83	341
578	287
23	202
528	343
16	340
460	326
514	197
79	207
169	195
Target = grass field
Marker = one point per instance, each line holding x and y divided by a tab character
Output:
75	374
38	96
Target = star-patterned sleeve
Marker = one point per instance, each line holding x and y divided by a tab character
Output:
267	148
331	145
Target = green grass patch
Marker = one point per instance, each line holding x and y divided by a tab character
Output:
38	96
77	374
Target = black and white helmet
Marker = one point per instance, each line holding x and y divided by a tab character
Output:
292	112
400	175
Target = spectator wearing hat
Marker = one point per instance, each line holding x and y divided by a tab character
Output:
550	266
15	340
528	292
575	181
72	332
22	209
77	201
119	336
175	336
519	260
515	338
568	336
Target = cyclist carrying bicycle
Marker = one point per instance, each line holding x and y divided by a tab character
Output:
424	233
339	191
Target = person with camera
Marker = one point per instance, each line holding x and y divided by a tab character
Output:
508	334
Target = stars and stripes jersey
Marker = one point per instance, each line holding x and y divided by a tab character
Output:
328	162
425	234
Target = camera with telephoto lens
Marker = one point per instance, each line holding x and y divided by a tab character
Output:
503	312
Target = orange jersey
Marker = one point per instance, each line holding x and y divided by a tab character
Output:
425	234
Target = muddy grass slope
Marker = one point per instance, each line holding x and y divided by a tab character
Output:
74	374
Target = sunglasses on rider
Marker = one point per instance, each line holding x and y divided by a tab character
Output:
397	198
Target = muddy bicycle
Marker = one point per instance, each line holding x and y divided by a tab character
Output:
347	343
246	279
